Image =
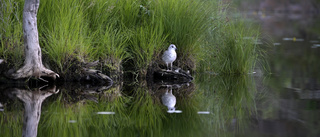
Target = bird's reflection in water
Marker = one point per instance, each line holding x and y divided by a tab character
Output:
169	100
1	107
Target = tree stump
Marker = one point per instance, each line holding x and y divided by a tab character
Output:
33	59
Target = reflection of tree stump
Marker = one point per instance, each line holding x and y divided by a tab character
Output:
32	103
79	92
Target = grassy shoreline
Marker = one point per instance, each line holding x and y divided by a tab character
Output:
130	36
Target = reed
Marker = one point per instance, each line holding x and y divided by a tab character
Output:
185	23
144	44
131	35
109	39
63	33
231	48
11	41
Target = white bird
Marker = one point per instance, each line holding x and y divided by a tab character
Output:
169	100
170	55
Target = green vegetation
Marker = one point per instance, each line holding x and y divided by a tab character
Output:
74	113
231	48
11	120
131	35
64	34
11	44
231	99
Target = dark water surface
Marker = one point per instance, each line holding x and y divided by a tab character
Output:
285	103
290	101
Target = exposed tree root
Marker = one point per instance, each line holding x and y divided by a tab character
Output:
28	71
80	72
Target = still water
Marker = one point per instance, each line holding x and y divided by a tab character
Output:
285	103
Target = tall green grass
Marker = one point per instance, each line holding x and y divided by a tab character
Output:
131	35
64	33
145	44
11	119
231	48
11	41
109	39
185	23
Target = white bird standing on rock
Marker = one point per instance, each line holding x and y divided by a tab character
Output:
169	56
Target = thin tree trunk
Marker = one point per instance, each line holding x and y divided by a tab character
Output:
33	63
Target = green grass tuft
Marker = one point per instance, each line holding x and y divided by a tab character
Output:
231	48
11	42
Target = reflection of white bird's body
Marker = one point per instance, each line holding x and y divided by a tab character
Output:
169	56
169	100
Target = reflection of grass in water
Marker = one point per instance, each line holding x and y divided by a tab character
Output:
145	114
142	115
188	123
228	98
139	115
106	125
230	101
11	121
58	116
55	120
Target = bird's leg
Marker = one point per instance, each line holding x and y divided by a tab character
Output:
167	66
171	66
